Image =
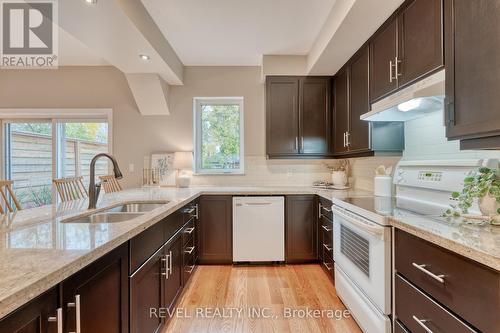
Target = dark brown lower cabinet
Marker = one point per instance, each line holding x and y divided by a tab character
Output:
96	298
146	294
301	228
215	241
173	279
34	316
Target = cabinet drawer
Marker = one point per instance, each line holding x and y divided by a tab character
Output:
188	231
421	314
325	208
189	211
145	244
327	243
469	289
189	260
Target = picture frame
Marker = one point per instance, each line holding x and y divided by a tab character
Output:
164	163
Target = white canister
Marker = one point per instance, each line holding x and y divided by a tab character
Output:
383	186
339	178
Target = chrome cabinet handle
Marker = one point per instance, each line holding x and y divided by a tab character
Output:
327	247
396	63
347	143
164	269
328	210
76	305
328	266
170	266
57	319
326	228
189	271
320	215
421	268
422	322
296	143
197	211
302	142
390	71
189	230
191	249
345	139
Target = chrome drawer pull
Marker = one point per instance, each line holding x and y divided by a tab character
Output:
189	271
327	266
422	322
189	230
164	266
57	319
327	247
326	228
421	268
76	305
328	210
191	249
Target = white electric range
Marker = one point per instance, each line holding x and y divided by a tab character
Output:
363	236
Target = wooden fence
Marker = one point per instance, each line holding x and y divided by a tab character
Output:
31	164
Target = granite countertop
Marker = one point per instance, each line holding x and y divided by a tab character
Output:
479	242
38	251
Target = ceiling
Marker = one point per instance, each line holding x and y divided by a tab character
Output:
238	32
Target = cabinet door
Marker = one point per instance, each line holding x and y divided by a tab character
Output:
282	100
216	230
340	110
472	69
359	102
420	39
98	295
34	316
173	280
146	293
301	228
383	51
315	119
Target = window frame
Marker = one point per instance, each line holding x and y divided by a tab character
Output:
197	137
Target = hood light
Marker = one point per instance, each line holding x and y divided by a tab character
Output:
144	57
409	105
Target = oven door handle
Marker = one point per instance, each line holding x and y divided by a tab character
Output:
367	226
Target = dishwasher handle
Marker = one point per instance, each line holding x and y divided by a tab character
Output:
254	204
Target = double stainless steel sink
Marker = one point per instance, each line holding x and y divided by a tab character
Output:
118	213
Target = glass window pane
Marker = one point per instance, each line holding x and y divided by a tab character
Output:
220	136
28	150
81	141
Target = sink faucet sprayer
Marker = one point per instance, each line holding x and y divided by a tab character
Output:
94	188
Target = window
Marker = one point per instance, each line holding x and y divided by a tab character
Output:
218	135
36	150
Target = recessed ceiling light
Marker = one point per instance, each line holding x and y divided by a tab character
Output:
144	57
92	2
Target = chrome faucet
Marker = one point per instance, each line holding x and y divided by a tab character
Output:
95	189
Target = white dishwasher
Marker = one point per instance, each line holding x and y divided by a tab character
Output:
258	229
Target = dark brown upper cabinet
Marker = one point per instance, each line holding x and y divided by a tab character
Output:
407	47
341	110
298	122
358	139
473	73
383	54
351	99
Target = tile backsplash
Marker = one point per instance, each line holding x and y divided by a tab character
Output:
425	138
260	171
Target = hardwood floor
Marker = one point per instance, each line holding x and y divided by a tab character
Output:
275	291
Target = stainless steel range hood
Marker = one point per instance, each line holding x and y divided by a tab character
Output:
411	102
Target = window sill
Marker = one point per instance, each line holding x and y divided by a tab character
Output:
219	174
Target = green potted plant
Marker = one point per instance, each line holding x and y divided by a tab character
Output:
482	185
